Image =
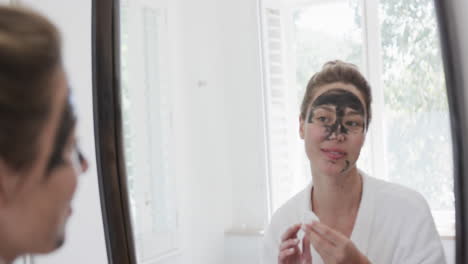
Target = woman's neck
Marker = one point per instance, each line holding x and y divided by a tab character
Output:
335	199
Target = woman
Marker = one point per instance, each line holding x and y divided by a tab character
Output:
361	219
39	160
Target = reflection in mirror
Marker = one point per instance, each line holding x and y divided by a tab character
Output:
211	95
146	110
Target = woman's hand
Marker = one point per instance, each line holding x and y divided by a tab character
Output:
289	252
332	246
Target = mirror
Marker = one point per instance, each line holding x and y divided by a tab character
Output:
210	93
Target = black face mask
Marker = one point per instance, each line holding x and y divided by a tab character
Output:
341	99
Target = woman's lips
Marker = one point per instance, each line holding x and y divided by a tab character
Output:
334	154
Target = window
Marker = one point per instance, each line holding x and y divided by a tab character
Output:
395	44
416	107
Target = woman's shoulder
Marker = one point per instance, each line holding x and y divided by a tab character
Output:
403	221
389	195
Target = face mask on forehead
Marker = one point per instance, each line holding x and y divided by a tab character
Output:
341	100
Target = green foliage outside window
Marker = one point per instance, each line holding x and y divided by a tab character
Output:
418	141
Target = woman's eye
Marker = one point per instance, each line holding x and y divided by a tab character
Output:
323	119
353	123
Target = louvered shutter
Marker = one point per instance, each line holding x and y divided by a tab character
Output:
276	101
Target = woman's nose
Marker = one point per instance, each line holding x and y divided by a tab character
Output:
337	133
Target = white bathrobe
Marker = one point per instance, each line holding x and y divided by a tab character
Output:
393	225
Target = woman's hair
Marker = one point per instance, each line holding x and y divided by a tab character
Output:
338	71
29	57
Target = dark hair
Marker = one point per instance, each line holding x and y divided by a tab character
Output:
29	56
338	71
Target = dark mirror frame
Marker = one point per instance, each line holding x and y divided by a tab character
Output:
450	31
110	161
109	141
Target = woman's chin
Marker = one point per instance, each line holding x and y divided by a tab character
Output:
51	245
334	168
50	241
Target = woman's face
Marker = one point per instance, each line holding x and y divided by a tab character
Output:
38	202
334	129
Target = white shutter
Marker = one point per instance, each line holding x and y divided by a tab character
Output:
276	102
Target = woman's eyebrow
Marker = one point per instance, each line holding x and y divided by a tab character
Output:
354	112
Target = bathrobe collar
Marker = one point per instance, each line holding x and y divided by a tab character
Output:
361	233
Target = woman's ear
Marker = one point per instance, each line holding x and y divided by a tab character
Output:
301	127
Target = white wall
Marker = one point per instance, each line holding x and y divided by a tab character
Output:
244	104
225	147
200	130
218	124
85	235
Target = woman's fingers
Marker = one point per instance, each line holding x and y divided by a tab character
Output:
285	254
323	246
291	232
326	232
289	243
289	249
306	257
332	245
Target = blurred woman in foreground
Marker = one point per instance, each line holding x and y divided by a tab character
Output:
39	159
